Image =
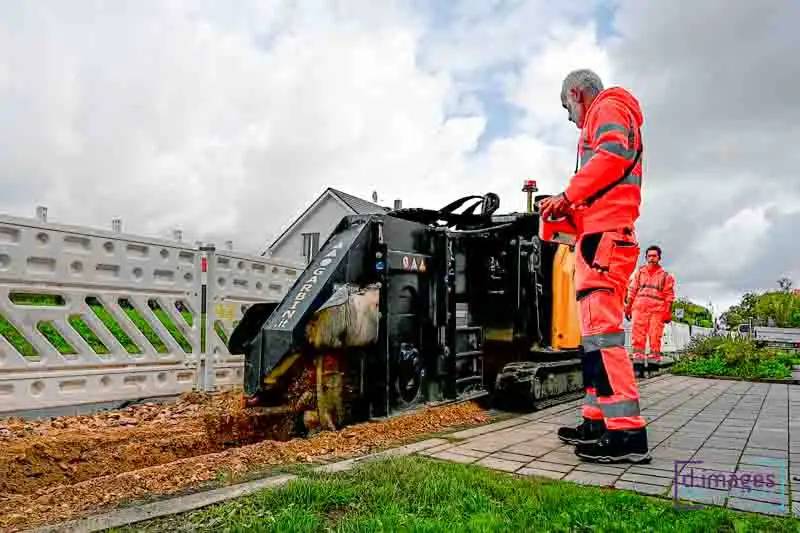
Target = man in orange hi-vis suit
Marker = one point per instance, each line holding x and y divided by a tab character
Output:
649	303
603	200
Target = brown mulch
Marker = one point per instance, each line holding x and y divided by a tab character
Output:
73	466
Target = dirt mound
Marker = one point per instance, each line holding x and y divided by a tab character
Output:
160	413
35	455
135	462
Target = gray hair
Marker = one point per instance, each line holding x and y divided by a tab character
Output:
584	79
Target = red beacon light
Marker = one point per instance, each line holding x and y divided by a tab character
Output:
529	186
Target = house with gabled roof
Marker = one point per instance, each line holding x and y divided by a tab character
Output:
302	239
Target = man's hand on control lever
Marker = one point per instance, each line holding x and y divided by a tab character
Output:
554	207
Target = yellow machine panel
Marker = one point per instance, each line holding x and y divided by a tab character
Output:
566	332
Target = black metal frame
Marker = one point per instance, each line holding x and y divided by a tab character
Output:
494	265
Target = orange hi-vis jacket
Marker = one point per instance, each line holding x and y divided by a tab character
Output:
651	291
605	194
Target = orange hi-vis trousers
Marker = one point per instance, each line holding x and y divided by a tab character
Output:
604	263
647	328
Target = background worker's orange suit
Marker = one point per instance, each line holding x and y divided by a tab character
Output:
649	304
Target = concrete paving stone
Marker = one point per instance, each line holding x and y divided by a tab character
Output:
698	428
545	427
753	506
655	468
425	444
744	428
770	435
770	445
713	422
730	423
563	420
536	415
776	471
683	442
780	486
650	480
760	495
726	444
757	460
561	458
707	466
591	478
701	495
691	434
641	488
671	454
736	431
487	445
707	453
447	455
474	432
602	468
513	457
545	465
774	426
540	473
524	431
494	442
437	449
463	450
766	452
500	464
534	448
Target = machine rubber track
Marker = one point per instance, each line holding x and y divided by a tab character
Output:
532	386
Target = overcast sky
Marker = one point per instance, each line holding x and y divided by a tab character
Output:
226	119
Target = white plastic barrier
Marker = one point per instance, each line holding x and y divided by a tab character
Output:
94	316
235	282
676	336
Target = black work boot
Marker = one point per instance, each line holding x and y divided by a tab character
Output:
587	432
618	446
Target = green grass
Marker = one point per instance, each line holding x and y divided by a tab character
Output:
16	339
79	324
736	358
143	325
54	337
220	329
417	494
113	326
170	326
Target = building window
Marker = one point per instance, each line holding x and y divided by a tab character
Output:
310	246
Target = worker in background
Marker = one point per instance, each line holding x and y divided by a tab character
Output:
603	200
649	305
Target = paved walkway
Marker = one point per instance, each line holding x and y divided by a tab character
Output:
741	437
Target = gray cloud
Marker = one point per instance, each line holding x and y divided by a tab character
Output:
714	78
227	121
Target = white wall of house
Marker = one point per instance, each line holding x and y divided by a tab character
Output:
322	220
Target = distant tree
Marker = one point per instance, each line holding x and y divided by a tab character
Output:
692	313
779	307
785	284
